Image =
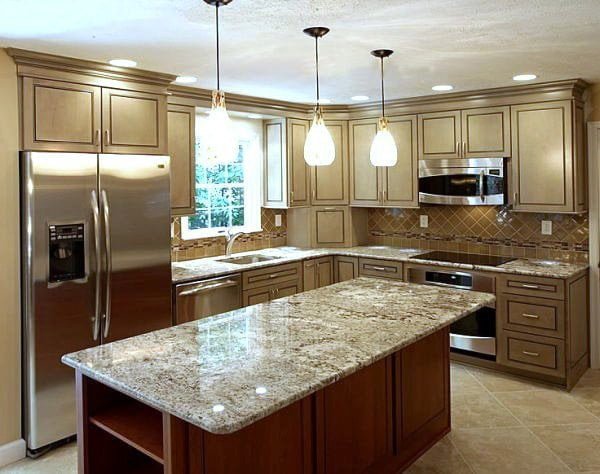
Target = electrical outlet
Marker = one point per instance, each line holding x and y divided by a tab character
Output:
277	220
424	221
546	227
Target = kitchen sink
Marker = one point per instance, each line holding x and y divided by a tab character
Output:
245	259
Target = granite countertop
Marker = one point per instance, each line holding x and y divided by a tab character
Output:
213	266
228	371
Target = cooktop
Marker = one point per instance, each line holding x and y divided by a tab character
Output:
468	258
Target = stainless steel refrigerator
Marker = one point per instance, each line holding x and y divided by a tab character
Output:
96	268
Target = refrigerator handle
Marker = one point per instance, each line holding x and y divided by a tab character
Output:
96	216
106	213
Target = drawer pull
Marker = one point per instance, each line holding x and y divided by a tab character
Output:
531	316
379	269
531	354
273	275
527	285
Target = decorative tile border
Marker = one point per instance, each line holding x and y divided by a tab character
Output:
271	236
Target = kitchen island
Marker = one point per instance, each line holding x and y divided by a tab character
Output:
350	378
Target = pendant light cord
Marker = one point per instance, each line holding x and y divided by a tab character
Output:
382	92
317	65
218	53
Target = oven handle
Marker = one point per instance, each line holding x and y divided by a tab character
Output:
209	287
481	179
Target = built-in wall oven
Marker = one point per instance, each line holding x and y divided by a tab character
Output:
474	334
463	182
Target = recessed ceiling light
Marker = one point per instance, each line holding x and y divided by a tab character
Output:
324	101
443	87
524	77
360	98
122	62
186	79
254	116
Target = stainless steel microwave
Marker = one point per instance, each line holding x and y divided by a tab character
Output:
471	182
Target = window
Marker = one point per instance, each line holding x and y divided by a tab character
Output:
227	195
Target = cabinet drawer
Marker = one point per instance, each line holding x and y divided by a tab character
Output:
532	315
380	268
271	275
532	286
538	354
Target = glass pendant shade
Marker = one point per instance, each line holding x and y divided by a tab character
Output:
221	143
319	149
383	148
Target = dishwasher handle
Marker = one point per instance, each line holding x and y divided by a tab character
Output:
203	288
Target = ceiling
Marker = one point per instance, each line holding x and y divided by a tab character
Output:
472	44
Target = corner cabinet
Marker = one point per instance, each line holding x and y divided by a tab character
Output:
69	117
548	168
394	186
182	149
469	133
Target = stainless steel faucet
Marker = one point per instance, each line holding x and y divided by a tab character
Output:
230	239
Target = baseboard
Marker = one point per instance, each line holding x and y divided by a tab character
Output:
12	452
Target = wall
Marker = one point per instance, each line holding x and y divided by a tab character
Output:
10	357
482	229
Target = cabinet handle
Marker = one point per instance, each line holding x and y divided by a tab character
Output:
530	316
458	149
531	354
464	149
314	195
291	197
527	285
383	193
97	138
273	275
106	137
515	198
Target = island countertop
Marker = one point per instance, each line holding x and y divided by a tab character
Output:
226	372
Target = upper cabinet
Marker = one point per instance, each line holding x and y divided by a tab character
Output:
548	169
69	117
469	133
394	186
182	147
288	180
60	116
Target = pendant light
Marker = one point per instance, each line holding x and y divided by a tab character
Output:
383	148
319	149
220	143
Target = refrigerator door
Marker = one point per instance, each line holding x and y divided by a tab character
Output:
135	211
59	285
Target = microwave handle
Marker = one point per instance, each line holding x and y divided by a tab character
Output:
481	182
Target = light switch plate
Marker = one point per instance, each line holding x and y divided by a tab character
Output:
277	220
546	227
424	221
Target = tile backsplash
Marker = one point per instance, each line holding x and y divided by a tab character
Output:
270	236
482	229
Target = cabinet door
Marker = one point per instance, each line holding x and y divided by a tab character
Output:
298	170
330	183
324	271
182	150
364	177
486	132
310	274
542	151
439	135
287	288
330	226
345	268
60	116
400	183
256	296
134	122
275	168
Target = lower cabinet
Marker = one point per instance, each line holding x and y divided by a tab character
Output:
317	272
380	268
344	268
266	284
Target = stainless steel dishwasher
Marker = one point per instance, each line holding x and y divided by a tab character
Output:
201	299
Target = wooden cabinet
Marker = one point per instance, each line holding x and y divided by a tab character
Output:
394	186
134	122
344	268
266	284
330	183
60	116
548	169
469	133
318	272
299	171
182	149
542	326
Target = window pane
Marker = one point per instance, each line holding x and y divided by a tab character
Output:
219	217
235	173
237	196
217	174
199	220
237	216
219	197
202	201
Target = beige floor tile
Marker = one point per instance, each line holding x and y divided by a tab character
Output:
498	382
506	450
577	445
462	381
549	407
60	461
440	459
479	410
588	397
591	379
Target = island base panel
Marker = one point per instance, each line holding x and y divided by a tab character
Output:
379	419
